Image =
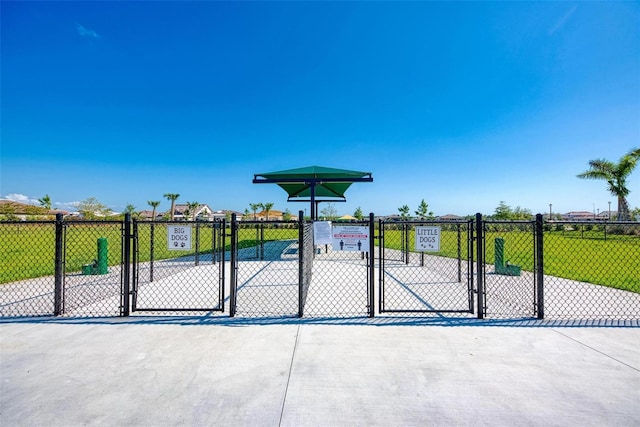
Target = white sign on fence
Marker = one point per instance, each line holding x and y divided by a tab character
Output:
179	238
427	239
322	232
350	238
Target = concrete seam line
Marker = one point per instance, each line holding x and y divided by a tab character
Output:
596	350
286	389
17	332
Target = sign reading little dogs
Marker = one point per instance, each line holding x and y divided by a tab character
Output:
427	239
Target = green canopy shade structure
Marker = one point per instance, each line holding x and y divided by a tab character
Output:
314	184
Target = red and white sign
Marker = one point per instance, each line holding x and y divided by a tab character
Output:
352	238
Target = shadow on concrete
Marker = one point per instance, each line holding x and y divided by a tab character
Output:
219	319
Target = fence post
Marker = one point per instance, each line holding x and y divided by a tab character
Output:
300	263
470	278
214	255
221	256
480	265
406	243
59	267
372	267
234	261
459	256
126	266
539	266
380	264
151	250
197	257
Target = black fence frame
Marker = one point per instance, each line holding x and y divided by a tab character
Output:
306	254
405	228
217	252
544	297
535	227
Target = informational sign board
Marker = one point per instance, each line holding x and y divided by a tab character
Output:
179	238
427	239
350	238
322	233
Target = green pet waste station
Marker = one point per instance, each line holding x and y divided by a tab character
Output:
502	267
100	264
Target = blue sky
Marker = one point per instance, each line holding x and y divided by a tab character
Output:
463	104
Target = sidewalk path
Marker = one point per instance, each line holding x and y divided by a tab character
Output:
195	371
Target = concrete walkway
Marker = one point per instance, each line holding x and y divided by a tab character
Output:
207	371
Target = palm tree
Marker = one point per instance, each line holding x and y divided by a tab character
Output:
267	207
191	209
254	207
616	176
172	197
154	204
46	202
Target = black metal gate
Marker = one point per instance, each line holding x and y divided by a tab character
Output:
178	275
343	275
265	271
426	266
511	268
278	271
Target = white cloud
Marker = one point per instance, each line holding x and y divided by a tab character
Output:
15	197
86	32
67	206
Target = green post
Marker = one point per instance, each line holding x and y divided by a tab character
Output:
507	268
103	256
499	255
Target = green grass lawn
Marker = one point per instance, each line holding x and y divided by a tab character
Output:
586	257
27	250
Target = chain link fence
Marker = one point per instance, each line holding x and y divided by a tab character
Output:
265	281
509	269
307	255
170	278
592	270
342	277
436	279
93	268
552	270
27	268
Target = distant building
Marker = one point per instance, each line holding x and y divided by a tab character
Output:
450	217
147	215
180	213
274	215
578	216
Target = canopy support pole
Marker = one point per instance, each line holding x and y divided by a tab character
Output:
314	208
